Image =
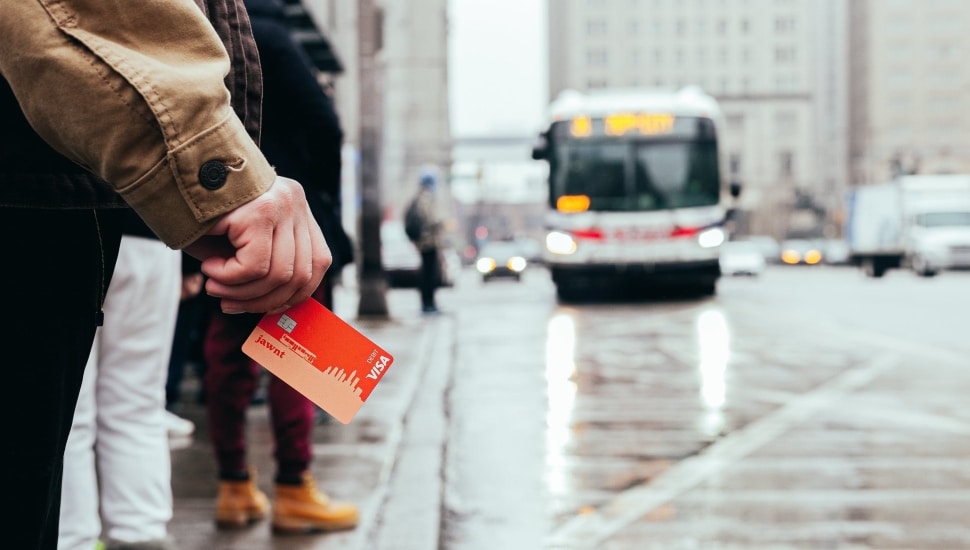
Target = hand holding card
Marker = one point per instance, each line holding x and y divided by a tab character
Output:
321	356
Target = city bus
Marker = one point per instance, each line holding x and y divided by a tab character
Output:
637	196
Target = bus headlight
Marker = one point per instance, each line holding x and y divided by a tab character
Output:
516	264
559	242
485	265
711	238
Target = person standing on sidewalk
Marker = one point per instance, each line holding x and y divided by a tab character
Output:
106	105
426	237
302	138
117	466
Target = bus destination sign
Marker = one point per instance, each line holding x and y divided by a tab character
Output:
622	124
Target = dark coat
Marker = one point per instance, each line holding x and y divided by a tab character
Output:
301	134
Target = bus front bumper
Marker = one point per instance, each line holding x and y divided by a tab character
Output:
686	273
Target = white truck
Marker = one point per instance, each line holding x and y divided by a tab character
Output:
917	221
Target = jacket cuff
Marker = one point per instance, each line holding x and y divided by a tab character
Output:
181	197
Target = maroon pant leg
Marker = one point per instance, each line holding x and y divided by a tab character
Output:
230	381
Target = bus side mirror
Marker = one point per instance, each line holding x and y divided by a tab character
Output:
540	150
735	189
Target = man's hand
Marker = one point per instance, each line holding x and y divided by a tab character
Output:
266	255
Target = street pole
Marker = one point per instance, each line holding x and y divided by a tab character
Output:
372	281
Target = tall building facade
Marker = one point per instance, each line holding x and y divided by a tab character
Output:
413	66
910	107
777	67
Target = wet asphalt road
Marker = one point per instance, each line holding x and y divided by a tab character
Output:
807	408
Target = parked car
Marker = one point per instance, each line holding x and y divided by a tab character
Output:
801	251
501	259
741	258
768	246
402	261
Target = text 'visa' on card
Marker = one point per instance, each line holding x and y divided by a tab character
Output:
319	355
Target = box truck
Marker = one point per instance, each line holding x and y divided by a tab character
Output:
916	221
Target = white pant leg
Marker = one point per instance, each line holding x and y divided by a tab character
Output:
80	523
134	463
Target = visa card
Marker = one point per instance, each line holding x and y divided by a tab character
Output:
319	355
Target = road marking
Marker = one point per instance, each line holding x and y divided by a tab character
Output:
590	529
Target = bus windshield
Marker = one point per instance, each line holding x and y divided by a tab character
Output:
636	175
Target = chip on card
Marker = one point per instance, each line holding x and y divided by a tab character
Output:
319	355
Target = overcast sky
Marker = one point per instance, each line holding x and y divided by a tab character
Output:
498	66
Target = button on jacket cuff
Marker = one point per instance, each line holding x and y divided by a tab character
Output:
180	213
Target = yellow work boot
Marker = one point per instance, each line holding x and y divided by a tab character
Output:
240	503
304	508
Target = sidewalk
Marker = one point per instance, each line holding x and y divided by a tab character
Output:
354	463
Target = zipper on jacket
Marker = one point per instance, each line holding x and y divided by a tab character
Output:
102	291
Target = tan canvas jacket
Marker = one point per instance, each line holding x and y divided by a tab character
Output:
134	92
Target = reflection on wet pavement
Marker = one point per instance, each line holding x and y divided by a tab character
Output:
561	394
735	422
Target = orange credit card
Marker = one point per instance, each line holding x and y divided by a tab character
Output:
321	356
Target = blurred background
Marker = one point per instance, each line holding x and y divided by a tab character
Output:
818	96
705	272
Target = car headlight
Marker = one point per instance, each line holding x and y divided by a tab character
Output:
813	257
559	242
485	265
516	263
711	238
791	257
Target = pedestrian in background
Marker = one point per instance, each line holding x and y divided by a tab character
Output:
302	138
128	104
423	218
117	466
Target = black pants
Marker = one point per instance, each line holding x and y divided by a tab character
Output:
429	277
56	268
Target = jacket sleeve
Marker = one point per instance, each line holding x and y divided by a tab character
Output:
134	92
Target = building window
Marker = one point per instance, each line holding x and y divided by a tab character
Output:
596	27
784	55
721	26
634	28
594	83
681	27
947	52
744	26
786	164
784	25
597	58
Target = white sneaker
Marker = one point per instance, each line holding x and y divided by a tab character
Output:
177	426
